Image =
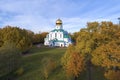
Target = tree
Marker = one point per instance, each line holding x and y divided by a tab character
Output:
39	38
43	35
1	42
107	54
73	62
112	75
17	36
36	38
99	44
86	44
10	59
74	36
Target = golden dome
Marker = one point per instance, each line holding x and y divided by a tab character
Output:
59	21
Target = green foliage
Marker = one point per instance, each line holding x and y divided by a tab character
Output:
20	37
74	36
36	38
39	38
10	59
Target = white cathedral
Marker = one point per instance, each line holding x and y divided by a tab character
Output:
58	37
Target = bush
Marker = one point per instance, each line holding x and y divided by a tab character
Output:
19	71
48	67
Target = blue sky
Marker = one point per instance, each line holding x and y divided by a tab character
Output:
40	15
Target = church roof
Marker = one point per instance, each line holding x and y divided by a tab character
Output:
66	36
58	30
59	21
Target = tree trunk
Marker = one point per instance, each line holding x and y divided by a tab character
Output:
89	70
75	78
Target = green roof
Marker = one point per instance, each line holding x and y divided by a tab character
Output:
66	36
58	30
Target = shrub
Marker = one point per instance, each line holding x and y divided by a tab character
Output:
19	71
48	67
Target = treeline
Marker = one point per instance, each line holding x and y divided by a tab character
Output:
23	39
96	45
13	42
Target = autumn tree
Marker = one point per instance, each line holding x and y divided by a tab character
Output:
73	62
107	54
18	36
1	42
74	36
39	37
43	35
112	75
36	38
98	43
86	44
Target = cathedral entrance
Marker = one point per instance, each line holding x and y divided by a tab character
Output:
61	45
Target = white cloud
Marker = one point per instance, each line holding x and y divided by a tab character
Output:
40	15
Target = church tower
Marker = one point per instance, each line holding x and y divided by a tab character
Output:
59	24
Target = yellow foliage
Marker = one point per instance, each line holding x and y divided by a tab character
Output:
112	75
108	55
72	62
49	66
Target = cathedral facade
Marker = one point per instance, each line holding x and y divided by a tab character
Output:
58	37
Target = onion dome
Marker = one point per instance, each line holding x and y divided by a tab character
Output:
59	21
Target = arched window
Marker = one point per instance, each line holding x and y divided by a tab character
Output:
55	34
60	35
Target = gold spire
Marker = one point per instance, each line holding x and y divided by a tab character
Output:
59	21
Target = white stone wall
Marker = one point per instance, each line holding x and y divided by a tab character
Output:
66	39
59	35
59	27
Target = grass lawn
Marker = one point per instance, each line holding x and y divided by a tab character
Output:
34	63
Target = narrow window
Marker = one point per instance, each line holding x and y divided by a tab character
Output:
55	34
60	35
51	35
